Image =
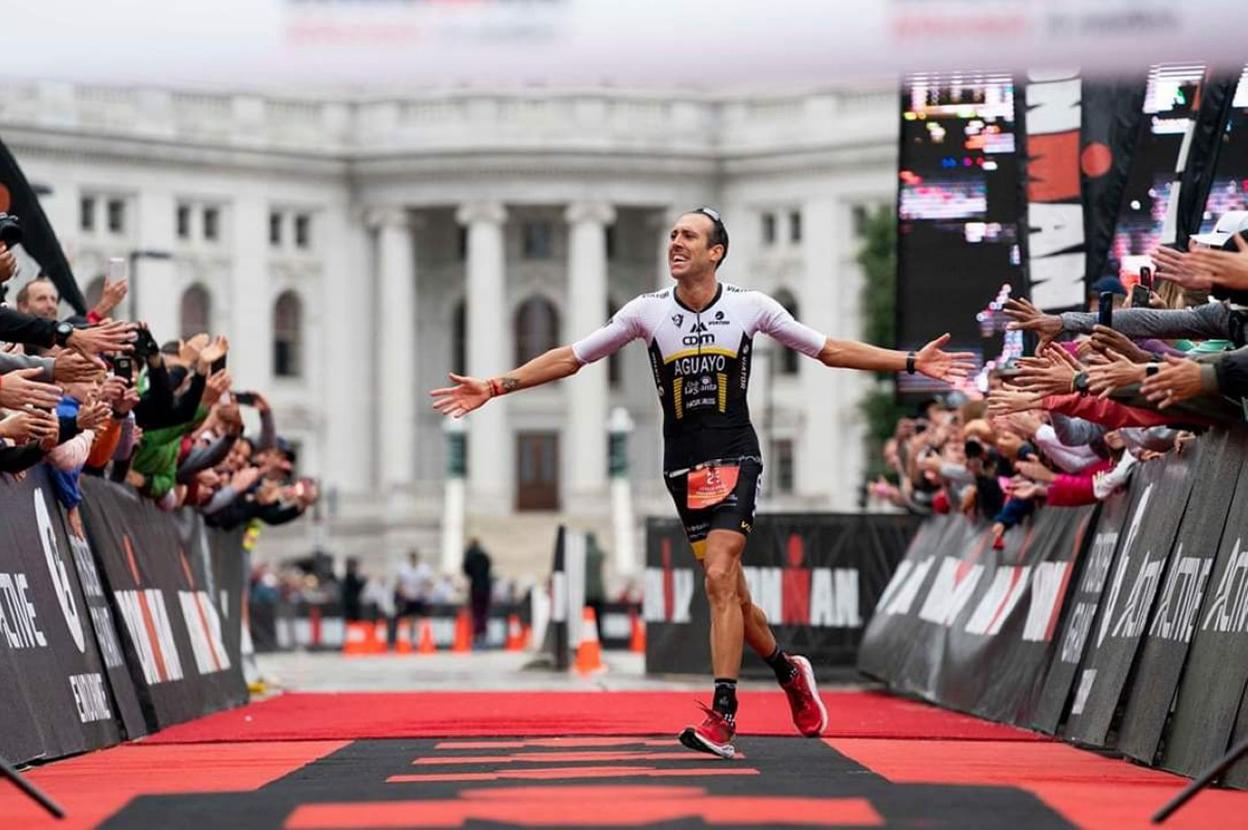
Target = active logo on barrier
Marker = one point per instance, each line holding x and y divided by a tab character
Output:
56	569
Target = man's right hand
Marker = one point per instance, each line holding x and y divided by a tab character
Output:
19	388
466	395
109	336
1027	317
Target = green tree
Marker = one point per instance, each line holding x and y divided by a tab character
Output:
878	257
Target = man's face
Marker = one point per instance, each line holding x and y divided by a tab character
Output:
688	248
42	300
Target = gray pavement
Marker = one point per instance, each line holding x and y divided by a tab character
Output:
484	670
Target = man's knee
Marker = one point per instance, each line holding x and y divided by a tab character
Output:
721	583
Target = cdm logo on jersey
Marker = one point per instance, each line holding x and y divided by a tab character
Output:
795	594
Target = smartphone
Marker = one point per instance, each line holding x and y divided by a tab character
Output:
116	268
245	398
1105	310
1141	291
218	365
123	367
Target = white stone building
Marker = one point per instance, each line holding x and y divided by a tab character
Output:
355	250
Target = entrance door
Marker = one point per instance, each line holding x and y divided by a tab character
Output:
537	471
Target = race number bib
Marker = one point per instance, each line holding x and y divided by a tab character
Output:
708	486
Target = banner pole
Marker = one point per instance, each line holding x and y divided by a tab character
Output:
1198	784
31	790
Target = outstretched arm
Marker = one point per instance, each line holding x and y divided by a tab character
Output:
470	393
930	360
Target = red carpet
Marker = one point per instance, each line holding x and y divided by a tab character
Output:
301	717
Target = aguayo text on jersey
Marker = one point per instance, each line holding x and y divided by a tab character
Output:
701	364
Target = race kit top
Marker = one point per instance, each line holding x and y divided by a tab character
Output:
701	363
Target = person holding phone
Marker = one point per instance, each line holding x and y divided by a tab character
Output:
699	335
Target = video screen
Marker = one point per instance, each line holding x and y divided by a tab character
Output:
1169	106
958	211
1229	190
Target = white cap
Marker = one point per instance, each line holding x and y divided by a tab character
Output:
1229	224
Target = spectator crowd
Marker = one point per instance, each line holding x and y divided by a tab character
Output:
1069	425
96	396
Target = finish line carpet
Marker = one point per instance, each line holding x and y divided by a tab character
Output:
602	759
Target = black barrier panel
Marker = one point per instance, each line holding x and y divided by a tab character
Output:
227	567
1213	680
54	688
816	577
1093	572
170	625
1127	603
886	643
1175	618
977	624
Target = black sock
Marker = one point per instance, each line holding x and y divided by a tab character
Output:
780	664
725	700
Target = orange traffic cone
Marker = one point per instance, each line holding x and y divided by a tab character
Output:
589	650
463	632
426	644
637	643
403	636
360	638
515	633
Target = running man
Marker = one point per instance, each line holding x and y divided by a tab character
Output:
699	336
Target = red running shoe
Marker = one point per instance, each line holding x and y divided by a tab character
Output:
714	735
809	715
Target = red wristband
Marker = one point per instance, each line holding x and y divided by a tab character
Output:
495	388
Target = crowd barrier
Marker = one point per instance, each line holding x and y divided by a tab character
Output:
817	576
1121	627
323	627
115	621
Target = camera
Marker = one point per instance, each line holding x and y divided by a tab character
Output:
144	344
10	230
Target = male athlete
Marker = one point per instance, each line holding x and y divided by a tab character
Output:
699	335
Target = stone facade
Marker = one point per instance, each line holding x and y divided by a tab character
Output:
384	226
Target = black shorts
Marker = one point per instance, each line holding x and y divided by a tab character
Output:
734	512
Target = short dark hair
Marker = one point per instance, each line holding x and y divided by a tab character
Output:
719	234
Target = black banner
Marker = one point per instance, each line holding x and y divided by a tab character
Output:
17	198
816	576
1122	618
979	623
1112	111
54	681
1175	618
227	566
1217	662
171	626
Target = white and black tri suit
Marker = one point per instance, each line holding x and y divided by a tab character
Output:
701	365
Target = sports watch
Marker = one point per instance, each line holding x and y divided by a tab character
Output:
63	332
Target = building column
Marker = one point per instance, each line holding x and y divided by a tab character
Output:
587	308
490	447
396	315
662	221
250	302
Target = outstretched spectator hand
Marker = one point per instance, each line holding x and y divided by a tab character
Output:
1105	339
1226	267
29	425
19	388
1035	471
213	352
189	349
216	386
1179	268
93	415
1052	373
70	366
1007	399
1116	373
108	336
1026	317
1178	380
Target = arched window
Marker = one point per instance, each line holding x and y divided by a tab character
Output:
789	359
459	341
95	289
196	312
613	360
288	336
537	328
